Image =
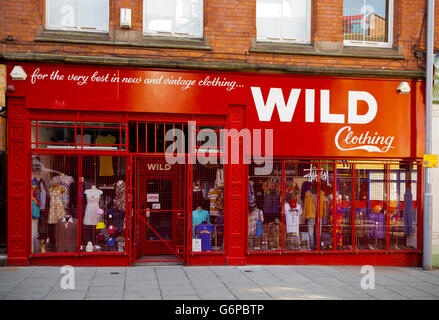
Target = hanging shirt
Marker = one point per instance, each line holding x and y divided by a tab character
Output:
213	195
198	216
35	199
106	162
292	217
205	232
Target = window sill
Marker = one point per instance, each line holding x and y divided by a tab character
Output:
77	37
70	36
175	42
342	51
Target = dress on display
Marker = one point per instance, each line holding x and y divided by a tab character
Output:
56	211
64	181
92	216
120	199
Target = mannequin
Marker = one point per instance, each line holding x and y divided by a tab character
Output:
310	215
293	210
92	216
254	214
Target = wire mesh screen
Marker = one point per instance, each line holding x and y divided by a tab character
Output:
103	203
78	203
160	193
207	207
308	205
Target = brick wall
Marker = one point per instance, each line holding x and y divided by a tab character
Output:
229	30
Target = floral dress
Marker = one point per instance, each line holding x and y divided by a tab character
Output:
120	199
56	211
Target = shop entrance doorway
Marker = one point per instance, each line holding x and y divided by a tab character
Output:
159	210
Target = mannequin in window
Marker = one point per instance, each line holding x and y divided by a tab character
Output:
293	210
92	216
254	215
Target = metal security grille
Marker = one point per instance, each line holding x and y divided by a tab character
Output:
79	203
159	209
327	206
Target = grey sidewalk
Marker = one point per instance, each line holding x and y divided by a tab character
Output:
219	283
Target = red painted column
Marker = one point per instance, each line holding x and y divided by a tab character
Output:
236	194
18	183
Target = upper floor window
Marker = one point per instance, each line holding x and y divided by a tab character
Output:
368	22
77	15
180	18
283	20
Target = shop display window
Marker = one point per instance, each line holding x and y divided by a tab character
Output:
320	205
207	208
78	135
78	203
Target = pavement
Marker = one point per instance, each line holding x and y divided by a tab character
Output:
219	283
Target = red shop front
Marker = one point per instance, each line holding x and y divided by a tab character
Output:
119	166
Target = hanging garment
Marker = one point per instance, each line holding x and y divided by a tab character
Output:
43	194
205	232
213	196
306	186
66	235
56	211
120	198
408	213
271	201
336	221
292	217
92	216
35	199
64	181
309	210
198	216
106	162
253	217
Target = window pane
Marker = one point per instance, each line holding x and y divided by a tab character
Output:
282	20
365	20
158	15
87	14
188	17
208	208
179	17
77	14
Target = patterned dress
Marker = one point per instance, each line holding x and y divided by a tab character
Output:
56	212
120	199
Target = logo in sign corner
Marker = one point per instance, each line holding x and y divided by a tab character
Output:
364	141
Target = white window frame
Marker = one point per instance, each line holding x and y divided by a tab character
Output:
172	33
82	29
388	44
303	41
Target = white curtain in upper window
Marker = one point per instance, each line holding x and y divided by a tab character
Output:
89	15
283	20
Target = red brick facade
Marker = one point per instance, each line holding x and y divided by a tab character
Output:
229	33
